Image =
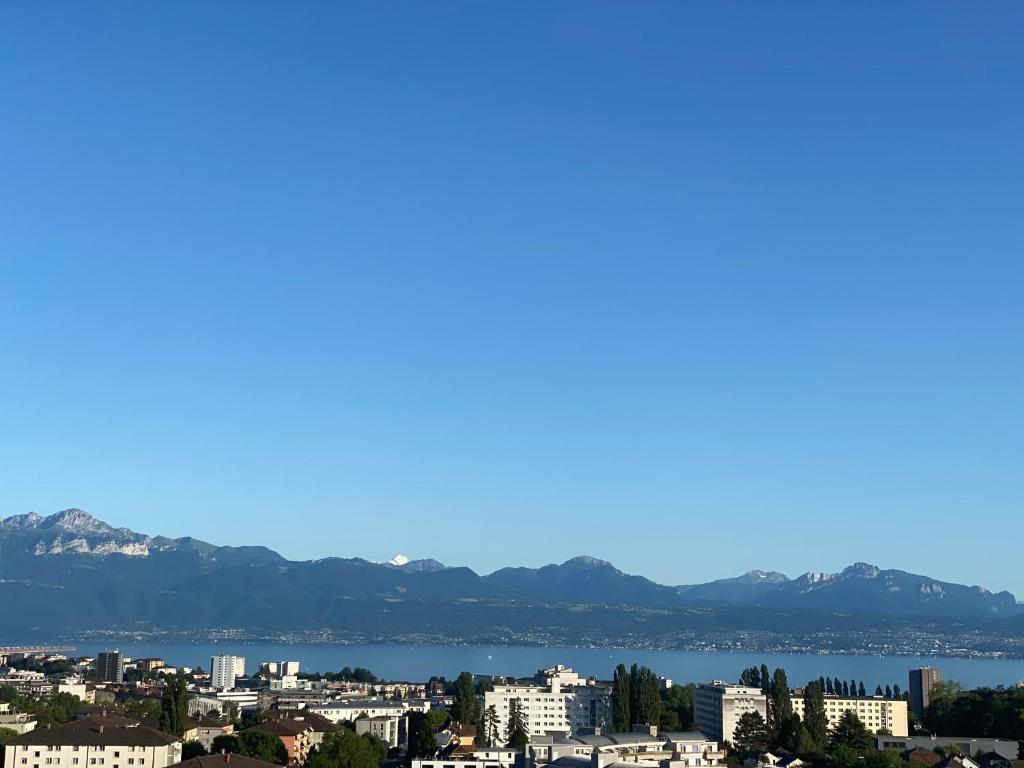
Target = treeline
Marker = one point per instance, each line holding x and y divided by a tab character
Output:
990	712
346	675
639	698
847	745
758	677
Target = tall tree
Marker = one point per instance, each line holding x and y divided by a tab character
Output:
516	735
489	726
263	745
622	718
896	691
750	735
837	686
780	707
174	706
815	718
421	736
828	686
861	690
851	733
464	708
846	689
766	681
853	687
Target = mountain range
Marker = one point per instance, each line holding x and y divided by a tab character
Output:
70	571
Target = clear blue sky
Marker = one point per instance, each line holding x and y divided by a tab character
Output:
695	287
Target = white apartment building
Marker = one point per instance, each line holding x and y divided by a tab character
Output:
93	742
685	749
557	701
281	668
351	709
391	729
717	707
875	712
224	670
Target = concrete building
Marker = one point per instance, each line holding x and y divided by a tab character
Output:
343	710
391	729
686	749
224	670
19	722
556	701
922	680
93	742
875	712
110	667
969	745
717	707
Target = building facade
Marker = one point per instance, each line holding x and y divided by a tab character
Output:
557	701
922	680
224	670
93	742
110	667
877	713
718	706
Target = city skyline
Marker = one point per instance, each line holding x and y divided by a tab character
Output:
742	282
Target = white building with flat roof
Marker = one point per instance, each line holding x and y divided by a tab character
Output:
556	701
224	669
718	706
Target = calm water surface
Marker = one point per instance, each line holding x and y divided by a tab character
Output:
419	662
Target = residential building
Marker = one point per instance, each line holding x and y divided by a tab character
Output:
349	710
922	680
19	722
224	670
93	742
556	701
718	706
297	736
110	667
876	712
208	729
968	745
685	749
391	729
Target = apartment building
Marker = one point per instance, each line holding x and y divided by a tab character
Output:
224	670
718	706
875	712
556	701
93	742
685	749
922	680
391	729
110	667
296	735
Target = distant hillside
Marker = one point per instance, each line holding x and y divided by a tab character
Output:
72	572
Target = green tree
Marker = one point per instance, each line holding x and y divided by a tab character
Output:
344	749
622	718
678	700
263	745
751	735
174	706
489	727
861	691
192	749
883	758
780	706
421	736
516	735
851	733
228	743
464	708
815	719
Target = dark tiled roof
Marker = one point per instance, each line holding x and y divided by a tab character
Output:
224	761
95	731
284	727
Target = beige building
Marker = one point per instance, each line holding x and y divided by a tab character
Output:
556	702
718	706
93	742
875	712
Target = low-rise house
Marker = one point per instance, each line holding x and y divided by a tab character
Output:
773	760
93	742
685	749
296	735
208	729
226	760
19	722
919	756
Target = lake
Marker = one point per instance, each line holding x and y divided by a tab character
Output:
419	662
